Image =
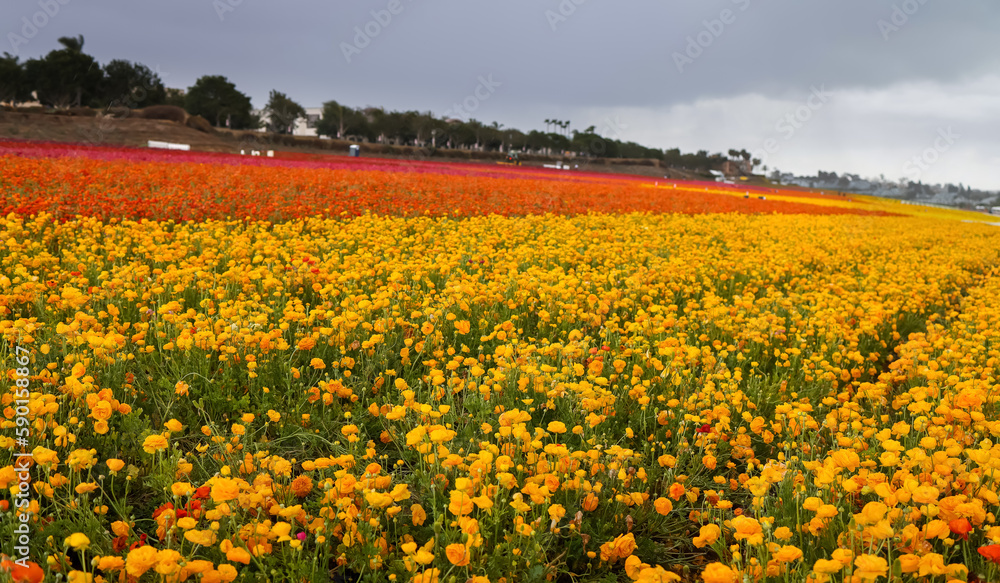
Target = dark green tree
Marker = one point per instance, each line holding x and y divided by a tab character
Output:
131	85
65	77
12	80
282	113
216	99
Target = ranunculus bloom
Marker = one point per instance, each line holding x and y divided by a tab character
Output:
154	443
140	560
78	541
458	554
719	573
225	489
707	535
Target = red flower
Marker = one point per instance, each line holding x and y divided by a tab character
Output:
706	428
961	526
119	543
203	492
139	543
991	552
162	509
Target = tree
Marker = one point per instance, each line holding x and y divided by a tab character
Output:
174	97
12	80
282	113
65	77
216	99
131	85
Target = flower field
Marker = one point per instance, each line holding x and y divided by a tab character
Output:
222	369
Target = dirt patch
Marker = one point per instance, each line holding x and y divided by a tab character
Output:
106	131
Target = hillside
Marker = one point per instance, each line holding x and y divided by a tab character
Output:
137	132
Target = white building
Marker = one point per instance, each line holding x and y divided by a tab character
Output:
304	126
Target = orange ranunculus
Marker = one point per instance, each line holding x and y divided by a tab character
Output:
961	527
719	573
140	560
26	572
225	489
991	552
458	554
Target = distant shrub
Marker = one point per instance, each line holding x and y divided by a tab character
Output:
165	112
197	122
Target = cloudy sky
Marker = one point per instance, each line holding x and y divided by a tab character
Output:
900	88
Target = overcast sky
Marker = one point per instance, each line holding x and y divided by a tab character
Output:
892	87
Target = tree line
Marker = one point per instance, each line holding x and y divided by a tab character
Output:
68	77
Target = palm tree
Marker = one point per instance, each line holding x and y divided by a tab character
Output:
73	43
548	122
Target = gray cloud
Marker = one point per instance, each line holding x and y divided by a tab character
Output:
581	60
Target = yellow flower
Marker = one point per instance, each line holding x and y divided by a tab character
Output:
181	488
870	567
110	563
154	443
173	426
205	538
556	427
78	541
707	535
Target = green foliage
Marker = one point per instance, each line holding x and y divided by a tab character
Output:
12	80
282	113
131	85
65	77
216	99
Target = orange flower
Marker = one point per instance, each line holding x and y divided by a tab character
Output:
419	515
991	552
458	554
961	527
663	506
140	560
301	486
225	489
32	573
748	529
719	573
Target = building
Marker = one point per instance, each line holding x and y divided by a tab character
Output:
304	126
